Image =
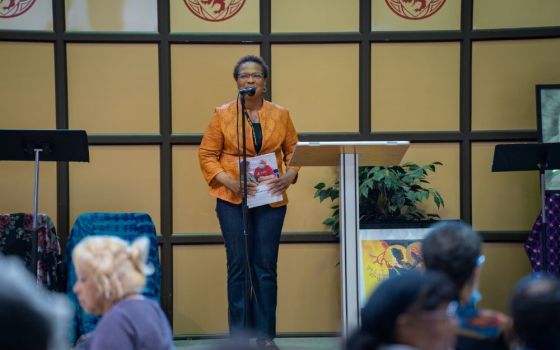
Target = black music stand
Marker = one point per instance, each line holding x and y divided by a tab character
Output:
530	156
45	145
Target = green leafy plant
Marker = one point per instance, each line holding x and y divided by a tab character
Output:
387	194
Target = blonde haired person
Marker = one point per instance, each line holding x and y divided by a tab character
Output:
110	276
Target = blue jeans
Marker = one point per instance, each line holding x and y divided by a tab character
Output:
265	227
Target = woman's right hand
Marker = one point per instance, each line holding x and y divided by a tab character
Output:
235	185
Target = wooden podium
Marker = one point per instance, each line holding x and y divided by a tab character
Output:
349	155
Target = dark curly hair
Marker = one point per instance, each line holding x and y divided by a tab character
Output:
452	248
395	296
251	58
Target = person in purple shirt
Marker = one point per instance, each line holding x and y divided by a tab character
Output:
110	275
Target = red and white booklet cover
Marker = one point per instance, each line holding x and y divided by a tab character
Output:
261	170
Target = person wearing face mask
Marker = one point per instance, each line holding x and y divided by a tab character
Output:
263	172
269	130
454	249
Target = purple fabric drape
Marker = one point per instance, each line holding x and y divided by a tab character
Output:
533	243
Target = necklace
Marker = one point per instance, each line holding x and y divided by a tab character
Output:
251	123
252	118
128	295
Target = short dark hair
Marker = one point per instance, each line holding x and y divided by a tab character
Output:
22	326
251	58
452	247
395	296
535	307
30	317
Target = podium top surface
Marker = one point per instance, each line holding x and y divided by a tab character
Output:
382	153
56	145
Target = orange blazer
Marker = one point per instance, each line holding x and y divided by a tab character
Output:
218	150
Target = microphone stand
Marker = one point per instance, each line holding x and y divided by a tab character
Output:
245	216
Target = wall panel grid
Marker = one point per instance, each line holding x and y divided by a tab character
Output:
369	57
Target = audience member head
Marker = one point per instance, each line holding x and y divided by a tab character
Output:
108	269
535	308
30	317
414	309
454	249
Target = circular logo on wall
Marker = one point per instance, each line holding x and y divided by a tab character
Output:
415	9
14	8
214	10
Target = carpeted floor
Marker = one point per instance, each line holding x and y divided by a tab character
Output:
322	343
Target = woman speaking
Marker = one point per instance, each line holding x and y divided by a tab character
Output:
269	132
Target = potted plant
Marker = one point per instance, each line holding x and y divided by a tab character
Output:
387	195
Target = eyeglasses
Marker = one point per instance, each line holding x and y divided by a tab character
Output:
255	75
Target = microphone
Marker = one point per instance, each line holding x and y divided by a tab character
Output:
249	90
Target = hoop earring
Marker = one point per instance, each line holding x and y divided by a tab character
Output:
265	89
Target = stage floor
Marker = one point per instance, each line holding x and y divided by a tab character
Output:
321	343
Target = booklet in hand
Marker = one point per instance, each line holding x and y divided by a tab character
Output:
261	170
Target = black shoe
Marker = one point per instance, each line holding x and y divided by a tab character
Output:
267	344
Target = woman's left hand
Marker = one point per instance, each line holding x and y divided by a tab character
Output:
279	185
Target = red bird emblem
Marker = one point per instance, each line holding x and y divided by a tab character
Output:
14	8
415	9
214	10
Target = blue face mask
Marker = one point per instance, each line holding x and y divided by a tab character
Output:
475	296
